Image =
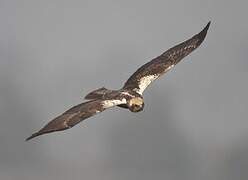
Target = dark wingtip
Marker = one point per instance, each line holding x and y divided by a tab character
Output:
41	132
201	35
207	26
32	136
46	130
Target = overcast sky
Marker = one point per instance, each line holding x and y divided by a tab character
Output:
194	125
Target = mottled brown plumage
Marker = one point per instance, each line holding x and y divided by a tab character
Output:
71	117
165	61
130	96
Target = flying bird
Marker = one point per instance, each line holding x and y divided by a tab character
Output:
130	95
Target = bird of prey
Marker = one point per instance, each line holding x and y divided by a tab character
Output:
130	95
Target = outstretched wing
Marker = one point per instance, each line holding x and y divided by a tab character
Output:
161	64
77	114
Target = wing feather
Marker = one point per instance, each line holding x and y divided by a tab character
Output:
161	64
76	114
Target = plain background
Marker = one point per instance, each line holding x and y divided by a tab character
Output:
194	125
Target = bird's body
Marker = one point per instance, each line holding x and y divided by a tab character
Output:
130	95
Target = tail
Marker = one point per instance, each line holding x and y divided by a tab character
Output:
98	94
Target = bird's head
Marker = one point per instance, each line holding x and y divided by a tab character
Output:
135	104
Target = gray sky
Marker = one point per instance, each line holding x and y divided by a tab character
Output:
194	125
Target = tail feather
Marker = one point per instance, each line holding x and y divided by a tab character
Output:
97	94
